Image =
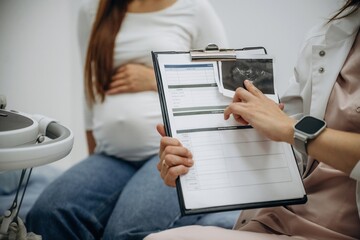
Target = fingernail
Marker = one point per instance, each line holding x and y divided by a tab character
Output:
190	161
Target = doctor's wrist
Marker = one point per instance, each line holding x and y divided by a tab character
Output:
289	131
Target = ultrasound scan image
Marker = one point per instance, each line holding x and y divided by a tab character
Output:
259	71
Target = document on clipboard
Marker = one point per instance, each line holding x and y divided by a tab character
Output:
235	167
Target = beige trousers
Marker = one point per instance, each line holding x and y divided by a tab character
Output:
214	233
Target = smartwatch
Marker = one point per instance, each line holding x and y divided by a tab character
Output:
305	129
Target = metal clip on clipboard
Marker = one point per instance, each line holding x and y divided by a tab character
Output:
213	53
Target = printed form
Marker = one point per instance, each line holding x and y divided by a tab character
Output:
234	164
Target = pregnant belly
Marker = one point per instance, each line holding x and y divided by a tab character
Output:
125	127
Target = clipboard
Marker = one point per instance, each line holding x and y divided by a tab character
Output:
190	120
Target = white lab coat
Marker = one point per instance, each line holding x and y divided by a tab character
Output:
315	74
321	58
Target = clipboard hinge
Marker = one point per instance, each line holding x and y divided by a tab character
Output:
213	53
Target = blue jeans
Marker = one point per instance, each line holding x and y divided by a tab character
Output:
107	198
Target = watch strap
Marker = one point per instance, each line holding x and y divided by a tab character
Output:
300	142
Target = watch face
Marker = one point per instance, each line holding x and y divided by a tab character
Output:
310	125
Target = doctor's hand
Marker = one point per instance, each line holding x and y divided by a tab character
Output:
175	160
251	106
130	78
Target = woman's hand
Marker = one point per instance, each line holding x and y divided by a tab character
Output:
131	78
175	160
251	106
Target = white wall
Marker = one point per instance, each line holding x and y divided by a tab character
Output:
277	25
39	63
40	70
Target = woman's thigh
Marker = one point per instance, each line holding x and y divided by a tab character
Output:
92	186
145	205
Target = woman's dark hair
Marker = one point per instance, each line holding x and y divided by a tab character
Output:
99	59
350	5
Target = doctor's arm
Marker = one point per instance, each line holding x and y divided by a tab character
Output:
333	145
338	149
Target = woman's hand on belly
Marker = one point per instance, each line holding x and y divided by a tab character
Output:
130	78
